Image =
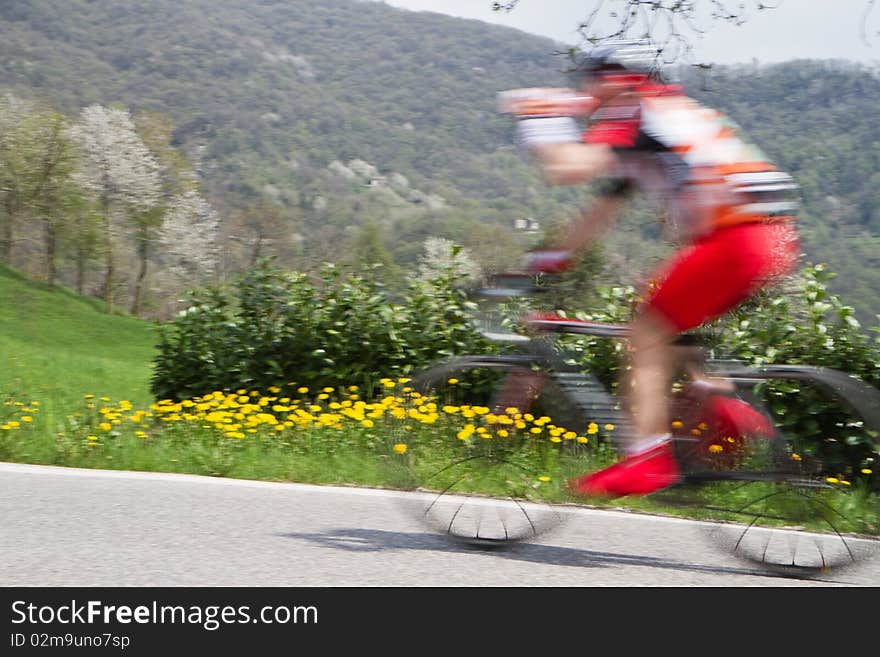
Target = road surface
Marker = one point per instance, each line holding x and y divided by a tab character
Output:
72	527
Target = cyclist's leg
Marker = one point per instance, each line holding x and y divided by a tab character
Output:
652	363
698	284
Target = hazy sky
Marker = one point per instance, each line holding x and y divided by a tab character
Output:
818	29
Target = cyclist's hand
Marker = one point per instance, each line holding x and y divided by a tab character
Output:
550	261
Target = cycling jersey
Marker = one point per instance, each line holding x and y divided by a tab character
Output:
693	160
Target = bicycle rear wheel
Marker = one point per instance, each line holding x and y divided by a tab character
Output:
488	489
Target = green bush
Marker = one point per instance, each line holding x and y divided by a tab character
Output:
337	329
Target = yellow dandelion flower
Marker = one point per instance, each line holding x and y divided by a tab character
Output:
452	381
92	438
609	427
677	424
27	418
302	390
867	471
503	433
583	440
832	480
106	426
592	428
795	457
714	449
367	423
399	448
544	478
536	430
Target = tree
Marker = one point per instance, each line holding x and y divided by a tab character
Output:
36	164
673	23
442	256
177	180
14	150
120	170
188	239
81	244
263	228
52	183
670	23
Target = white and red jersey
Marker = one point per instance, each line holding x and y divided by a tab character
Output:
692	159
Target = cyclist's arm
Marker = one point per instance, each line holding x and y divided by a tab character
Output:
593	222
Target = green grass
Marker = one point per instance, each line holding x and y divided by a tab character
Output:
56	346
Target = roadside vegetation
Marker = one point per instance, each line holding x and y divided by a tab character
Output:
284	378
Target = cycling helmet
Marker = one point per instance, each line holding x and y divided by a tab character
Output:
633	57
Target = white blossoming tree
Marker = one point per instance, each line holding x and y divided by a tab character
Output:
120	170
188	242
443	257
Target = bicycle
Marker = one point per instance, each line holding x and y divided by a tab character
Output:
783	511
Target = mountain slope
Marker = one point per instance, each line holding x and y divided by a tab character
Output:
283	99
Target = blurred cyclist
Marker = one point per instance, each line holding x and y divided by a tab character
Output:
722	200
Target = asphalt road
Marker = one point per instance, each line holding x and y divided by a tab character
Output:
70	527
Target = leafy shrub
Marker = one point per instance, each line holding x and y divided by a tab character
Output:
275	327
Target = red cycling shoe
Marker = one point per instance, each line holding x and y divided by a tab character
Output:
637	474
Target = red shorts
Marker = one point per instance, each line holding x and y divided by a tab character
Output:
721	270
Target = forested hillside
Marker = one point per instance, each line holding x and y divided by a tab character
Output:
352	131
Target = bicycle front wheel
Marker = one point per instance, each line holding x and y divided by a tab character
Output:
494	474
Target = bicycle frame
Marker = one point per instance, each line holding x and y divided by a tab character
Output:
745	413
